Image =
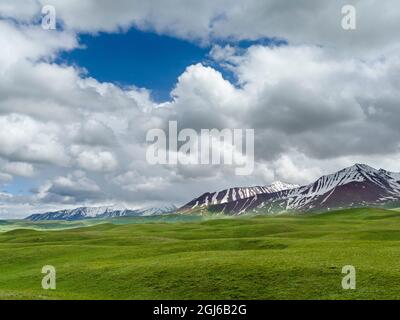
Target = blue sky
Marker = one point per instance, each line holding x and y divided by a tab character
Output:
144	59
20	186
137	58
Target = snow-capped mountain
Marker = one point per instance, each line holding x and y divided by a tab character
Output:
99	213
235	194
356	186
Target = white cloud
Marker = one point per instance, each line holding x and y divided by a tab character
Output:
70	189
93	160
5	177
25	139
19	9
93	133
306	22
19	169
20	42
134	181
287	170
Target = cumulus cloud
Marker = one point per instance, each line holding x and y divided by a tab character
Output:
19	169
20	41
73	188
93	133
25	139
93	160
306	22
5	177
299	97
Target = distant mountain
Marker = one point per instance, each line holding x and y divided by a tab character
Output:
235	194
357	186
99	213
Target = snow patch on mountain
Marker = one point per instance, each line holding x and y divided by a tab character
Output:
234	194
103	212
355	186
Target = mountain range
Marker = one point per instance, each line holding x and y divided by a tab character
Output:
104	212
357	186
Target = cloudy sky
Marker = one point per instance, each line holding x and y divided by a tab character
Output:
76	102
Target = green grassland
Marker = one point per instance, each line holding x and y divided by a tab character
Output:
8	225
258	257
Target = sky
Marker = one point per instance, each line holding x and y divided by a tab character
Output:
141	58
77	102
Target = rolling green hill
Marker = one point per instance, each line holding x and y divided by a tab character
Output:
8	225
259	257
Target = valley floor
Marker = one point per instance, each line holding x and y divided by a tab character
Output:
283	257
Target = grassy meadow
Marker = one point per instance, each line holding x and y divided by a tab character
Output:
184	257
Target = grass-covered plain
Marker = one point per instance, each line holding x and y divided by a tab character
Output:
8	225
261	257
